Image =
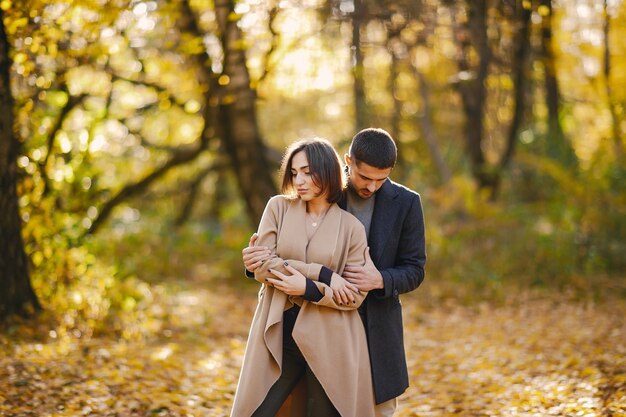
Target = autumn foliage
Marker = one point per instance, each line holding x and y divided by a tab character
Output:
140	141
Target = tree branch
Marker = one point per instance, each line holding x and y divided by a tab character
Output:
275	41
133	189
72	102
194	189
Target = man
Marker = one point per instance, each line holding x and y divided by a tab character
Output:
394	222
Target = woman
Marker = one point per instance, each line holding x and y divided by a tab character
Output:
299	332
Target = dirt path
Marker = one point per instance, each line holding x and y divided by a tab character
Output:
529	358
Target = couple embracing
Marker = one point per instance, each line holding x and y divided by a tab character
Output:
327	338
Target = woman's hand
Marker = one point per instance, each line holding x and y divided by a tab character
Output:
254	256
343	291
294	284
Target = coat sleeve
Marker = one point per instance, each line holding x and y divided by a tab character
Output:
356	256
408	270
268	236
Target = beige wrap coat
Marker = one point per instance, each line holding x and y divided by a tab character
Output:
330	336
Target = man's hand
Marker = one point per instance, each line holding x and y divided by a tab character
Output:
254	256
343	291
294	284
365	277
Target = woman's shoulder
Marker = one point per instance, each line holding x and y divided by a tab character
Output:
281	201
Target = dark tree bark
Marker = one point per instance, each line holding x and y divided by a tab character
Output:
360	103
520	67
238	126
471	85
475	58
558	145
16	293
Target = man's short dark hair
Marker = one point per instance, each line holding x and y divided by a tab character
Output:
324	165
375	147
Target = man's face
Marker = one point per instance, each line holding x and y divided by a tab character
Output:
365	179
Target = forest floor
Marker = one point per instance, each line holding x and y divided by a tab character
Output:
539	355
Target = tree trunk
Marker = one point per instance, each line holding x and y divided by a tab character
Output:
360	104
396	112
520	66
428	131
16	294
615	119
471	86
238	126
396	117
558	145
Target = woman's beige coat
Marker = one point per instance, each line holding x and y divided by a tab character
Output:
330	336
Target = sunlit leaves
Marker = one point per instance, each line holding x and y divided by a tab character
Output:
87	80
14	25
191	44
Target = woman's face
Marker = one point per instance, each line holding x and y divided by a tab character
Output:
302	179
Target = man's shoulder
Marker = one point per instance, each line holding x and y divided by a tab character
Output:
403	191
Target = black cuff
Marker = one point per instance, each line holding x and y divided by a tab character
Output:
249	274
325	275
312	293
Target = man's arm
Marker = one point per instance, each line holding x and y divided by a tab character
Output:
408	271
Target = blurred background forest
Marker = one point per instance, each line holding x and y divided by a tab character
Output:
140	141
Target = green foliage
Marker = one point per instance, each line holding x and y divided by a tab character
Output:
82	294
554	229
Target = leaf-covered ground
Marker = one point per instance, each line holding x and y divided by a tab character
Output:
540	356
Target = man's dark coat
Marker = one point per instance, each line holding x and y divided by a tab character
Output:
398	249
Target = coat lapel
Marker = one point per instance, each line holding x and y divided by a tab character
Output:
292	242
385	213
326	237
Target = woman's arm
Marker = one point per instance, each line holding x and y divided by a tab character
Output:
268	237
356	256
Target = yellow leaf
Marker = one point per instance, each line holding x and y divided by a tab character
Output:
20	58
543	10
